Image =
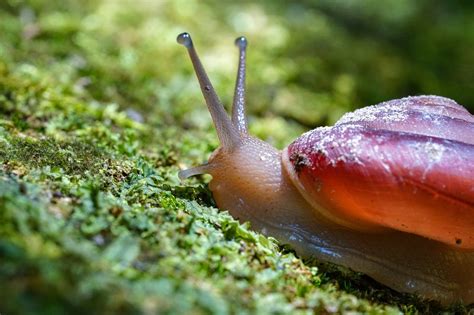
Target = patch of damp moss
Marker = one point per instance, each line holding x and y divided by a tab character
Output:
98	112
72	157
88	225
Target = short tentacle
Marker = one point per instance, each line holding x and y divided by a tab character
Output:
239	119
198	170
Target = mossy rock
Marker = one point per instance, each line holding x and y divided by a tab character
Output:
98	113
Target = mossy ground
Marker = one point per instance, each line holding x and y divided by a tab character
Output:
98	112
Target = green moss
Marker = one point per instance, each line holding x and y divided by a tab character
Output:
98	112
88	224
72	157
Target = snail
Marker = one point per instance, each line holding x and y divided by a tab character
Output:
387	191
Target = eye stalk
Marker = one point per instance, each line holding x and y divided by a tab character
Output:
226	131
231	131
239	119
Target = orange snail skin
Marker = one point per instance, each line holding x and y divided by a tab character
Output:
387	191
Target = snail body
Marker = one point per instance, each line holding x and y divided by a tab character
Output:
388	190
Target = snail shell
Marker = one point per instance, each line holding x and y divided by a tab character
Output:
405	164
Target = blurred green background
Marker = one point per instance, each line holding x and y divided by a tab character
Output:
100	108
309	61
